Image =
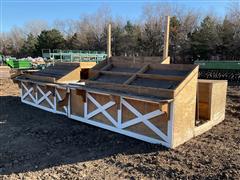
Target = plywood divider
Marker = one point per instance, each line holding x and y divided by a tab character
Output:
40	78
140	90
186	81
64	102
51	89
81	93
116	99
166	61
108	66
184	112
73	76
131	79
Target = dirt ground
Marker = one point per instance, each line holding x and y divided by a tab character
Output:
35	144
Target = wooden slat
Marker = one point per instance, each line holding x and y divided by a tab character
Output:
40	78
143	69
108	66
161	77
130	79
140	90
116	73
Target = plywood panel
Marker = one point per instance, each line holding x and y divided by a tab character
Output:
143	107
204	111
216	104
62	93
219	100
77	104
204	92
184	108
142	129
102	100
161	122
87	65
72	76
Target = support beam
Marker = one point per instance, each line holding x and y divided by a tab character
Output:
109	53
166	37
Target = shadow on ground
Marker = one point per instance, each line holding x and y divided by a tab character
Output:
32	139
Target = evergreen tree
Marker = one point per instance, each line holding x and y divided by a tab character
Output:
205	40
29	46
130	39
152	39
51	39
226	34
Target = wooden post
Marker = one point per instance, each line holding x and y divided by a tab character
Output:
166	37
109	53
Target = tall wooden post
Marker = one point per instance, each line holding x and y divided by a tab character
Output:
109	53
166	37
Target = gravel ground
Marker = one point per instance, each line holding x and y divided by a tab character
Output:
35	144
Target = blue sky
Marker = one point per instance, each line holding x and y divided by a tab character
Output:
18	12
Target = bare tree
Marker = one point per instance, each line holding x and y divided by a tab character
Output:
35	27
66	27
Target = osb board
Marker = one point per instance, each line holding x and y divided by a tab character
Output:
212	99
161	121
204	100
184	108
218	101
142	129
100	65
187	80
166	61
204	90
133	90
217	104
76	103
102	100
87	65
73	76
62	93
204	110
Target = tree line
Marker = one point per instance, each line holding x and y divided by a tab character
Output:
193	36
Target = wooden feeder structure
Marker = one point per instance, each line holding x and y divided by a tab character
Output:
142	97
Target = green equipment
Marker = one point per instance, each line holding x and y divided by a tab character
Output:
18	63
228	70
74	55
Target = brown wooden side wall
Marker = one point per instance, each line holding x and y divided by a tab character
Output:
184	109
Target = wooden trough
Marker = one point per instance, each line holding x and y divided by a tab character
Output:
138	97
